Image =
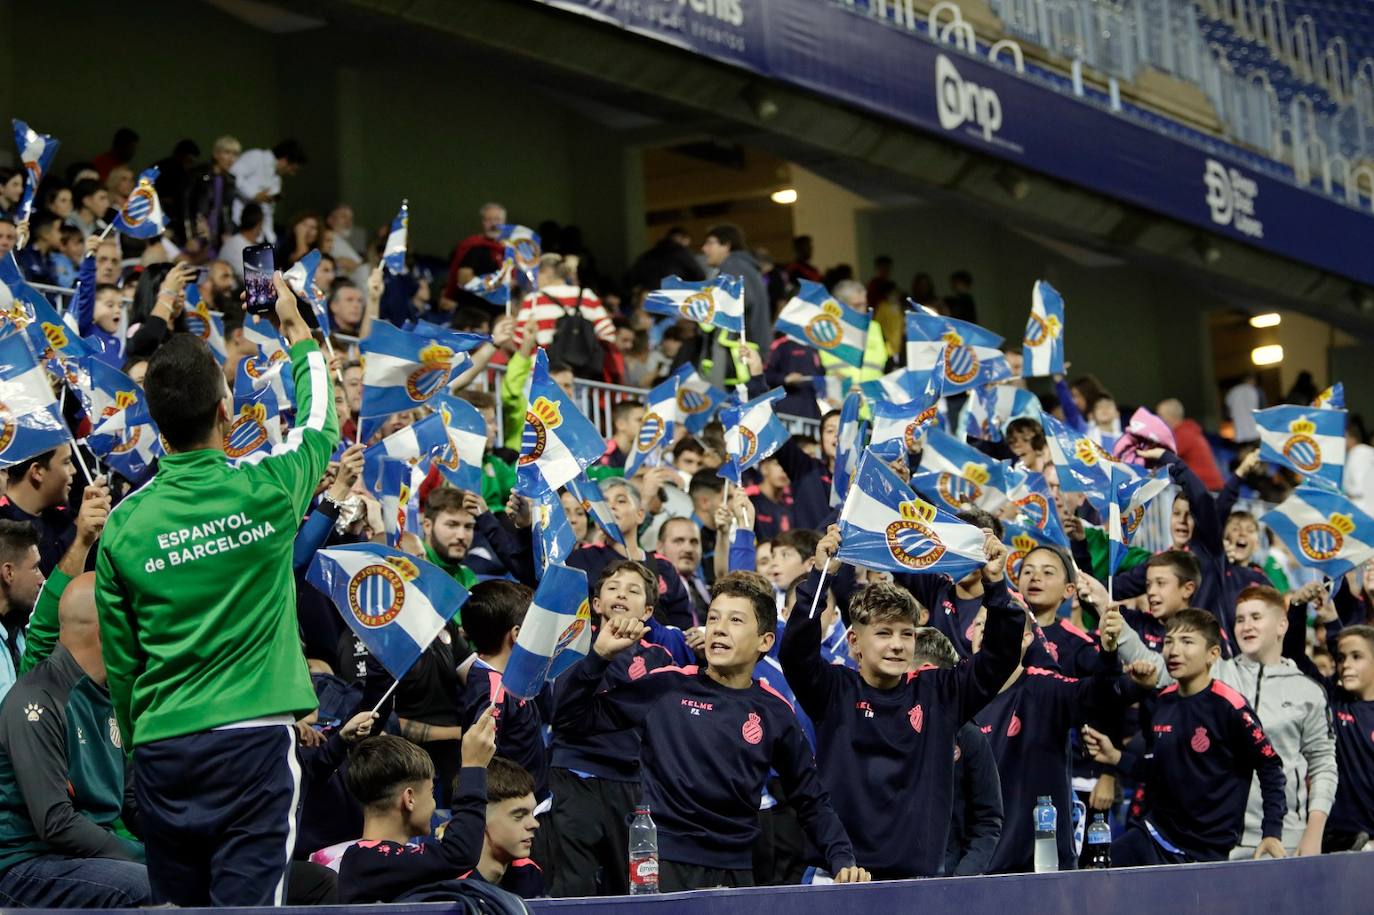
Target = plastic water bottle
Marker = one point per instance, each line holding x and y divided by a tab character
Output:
643	853
1046	835
1098	848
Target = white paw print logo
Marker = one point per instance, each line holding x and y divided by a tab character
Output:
33	712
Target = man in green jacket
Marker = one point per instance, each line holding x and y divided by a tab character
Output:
198	617
65	795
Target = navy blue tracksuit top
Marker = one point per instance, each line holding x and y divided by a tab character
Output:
1201	753
707	750
1028	726
887	756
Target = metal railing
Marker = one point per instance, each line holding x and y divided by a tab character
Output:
1326	134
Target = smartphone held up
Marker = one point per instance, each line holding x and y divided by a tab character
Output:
259	264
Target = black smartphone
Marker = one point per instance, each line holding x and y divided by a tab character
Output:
259	264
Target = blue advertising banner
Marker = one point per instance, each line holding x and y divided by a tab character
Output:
901	75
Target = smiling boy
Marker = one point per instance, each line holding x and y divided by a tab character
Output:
710	738
885	735
1202	746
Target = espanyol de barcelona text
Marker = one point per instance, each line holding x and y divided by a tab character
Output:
219	535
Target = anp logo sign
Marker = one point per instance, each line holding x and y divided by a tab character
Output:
959	101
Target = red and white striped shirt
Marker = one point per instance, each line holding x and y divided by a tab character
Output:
551	303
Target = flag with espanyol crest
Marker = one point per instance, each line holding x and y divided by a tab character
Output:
717	302
394	254
814	318
1031	495
1323	530
1042	351
1333	398
554	539
1021	537
395	604
415	444
558	442
753	433
255	428
201	322
461	461
523	249
141	215
965	354
849	445
944	453
30	420
403	369
1307	440
886	526
301	278
556	633
1130	494
656	429
588	492
697	399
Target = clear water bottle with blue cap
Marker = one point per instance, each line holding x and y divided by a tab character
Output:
1046	835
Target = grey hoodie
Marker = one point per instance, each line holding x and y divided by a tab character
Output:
1292	709
758	319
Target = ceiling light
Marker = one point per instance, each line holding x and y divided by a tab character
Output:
784	195
1268	319
1271	354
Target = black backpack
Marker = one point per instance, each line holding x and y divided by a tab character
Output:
471	896
576	344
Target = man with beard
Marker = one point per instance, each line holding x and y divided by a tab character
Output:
20	582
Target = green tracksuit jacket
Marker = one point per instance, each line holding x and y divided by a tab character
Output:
194	581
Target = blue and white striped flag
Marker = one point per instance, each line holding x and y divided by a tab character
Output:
256	425
717	302
899	386
1029	492
971	356
54	342
897	428
945	453
991	408
301	279
1127	509
494	287
402	370
588	492
415	444
142	216
36	151
1020	538
395	604
1333	398
697	399
461	461
1043	345
524	249
753	433
948	491
656	429
1308	440
30	419
198	320
554	539
395	495
114	402
849	444
558	442
816	319
886	526
1323	530
394	254
556	633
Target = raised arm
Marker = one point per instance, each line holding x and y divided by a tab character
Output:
812	680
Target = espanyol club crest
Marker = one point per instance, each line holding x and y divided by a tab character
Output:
699	307
961	362
115	738
1037	508
955	490
1322	541
7	428
574	629
526	252
1301	448
248	432
435	362
1039	330
749	445
56	335
1089	451
139	205
650	433
824	329
691	402
128	440
540	419
910	540
198	321
376	593
1021	545
1130	521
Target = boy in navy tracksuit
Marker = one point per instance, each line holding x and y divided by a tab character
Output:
595	777
494	610
885	735
710	738
393	779
1171	578
1028	725
1351	695
810	478
1203	747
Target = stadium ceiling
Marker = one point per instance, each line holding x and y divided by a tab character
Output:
646	92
